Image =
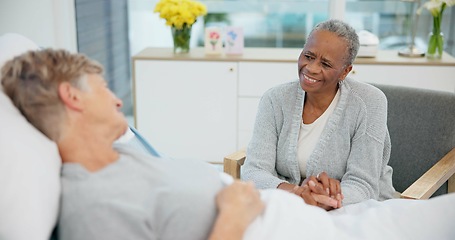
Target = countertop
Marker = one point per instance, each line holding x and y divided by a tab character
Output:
383	57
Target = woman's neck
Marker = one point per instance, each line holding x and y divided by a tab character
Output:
315	105
92	153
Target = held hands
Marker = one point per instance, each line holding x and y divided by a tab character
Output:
325	191
321	191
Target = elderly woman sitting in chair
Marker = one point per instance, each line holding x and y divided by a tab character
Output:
323	128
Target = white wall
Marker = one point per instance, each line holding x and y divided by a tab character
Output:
49	23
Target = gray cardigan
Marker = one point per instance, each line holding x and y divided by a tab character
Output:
354	146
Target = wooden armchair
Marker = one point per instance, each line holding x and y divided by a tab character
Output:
422	131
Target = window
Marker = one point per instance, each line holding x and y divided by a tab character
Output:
392	22
102	34
278	23
112	31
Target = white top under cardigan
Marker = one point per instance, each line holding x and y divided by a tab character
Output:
309	135
354	147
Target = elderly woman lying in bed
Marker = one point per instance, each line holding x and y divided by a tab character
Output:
111	191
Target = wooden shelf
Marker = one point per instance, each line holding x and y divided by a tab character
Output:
384	57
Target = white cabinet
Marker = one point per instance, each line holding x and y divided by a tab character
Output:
257	77
204	107
254	79
247	114
187	109
441	78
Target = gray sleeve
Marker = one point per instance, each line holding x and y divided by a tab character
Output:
105	222
261	152
367	158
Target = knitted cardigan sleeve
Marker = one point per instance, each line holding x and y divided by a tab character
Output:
370	150
268	135
261	153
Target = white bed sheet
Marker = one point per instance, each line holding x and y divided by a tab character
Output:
287	217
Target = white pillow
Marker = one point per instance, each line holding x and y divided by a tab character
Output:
29	166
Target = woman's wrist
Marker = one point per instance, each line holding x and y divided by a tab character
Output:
286	186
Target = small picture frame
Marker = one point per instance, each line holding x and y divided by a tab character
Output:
234	40
213	41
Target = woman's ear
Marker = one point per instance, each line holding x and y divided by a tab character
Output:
345	72
71	96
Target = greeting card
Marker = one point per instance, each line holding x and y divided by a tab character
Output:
234	40
213	41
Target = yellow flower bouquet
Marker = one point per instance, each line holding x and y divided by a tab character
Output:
180	15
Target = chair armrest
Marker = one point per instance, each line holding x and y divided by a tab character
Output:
433	179
233	162
423	188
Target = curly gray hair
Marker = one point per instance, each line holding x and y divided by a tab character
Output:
342	30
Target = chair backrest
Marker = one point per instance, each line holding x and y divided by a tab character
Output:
422	130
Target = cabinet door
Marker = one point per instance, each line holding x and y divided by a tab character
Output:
427	77
187	109
254	79
257	77
248	107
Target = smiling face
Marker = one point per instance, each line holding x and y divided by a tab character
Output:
102	107
322	63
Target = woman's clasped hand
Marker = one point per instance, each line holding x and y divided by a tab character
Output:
320	190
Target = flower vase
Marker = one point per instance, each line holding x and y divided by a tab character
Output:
181	39
436	39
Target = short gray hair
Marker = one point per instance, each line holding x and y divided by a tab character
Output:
342	30
31	81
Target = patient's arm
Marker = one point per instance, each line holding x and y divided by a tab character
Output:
238	204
